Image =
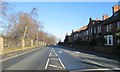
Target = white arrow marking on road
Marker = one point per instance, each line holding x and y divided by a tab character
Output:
60	52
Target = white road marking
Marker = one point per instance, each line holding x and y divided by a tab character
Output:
56	54
50	54
116	68
77	52
47	64
95	62
60	52
53	59
48	61
53	55
51	50
54	66
61	63
100	69
17	55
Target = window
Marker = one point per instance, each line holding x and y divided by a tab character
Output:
94	30
91	30
109	40
105	40
87	32
118	41
118	25
99	29
109	28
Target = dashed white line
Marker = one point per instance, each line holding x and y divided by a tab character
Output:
47	64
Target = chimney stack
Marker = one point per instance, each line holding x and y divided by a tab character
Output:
105	16
115	8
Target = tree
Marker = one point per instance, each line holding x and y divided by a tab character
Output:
23	26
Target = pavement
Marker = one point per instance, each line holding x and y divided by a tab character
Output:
57	58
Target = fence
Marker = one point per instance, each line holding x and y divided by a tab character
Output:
110	50
20	43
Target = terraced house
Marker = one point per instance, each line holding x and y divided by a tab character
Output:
112	27
107	28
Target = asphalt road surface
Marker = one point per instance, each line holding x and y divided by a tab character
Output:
56	58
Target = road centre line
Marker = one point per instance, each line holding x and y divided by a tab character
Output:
48	61
17	55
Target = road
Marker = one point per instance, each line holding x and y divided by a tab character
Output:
56	58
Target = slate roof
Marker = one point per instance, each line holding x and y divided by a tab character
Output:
115	17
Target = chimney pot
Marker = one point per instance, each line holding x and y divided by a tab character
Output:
115	8
105	16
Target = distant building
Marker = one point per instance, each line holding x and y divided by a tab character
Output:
107	28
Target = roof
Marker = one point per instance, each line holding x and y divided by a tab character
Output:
115	17
99	23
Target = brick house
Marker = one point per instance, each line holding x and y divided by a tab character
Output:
82	35
94	27
108	28
111	27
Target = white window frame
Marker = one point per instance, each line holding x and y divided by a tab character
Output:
94	30
91	30
98	29
118	41
118	25
87	32
107	28
109	37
